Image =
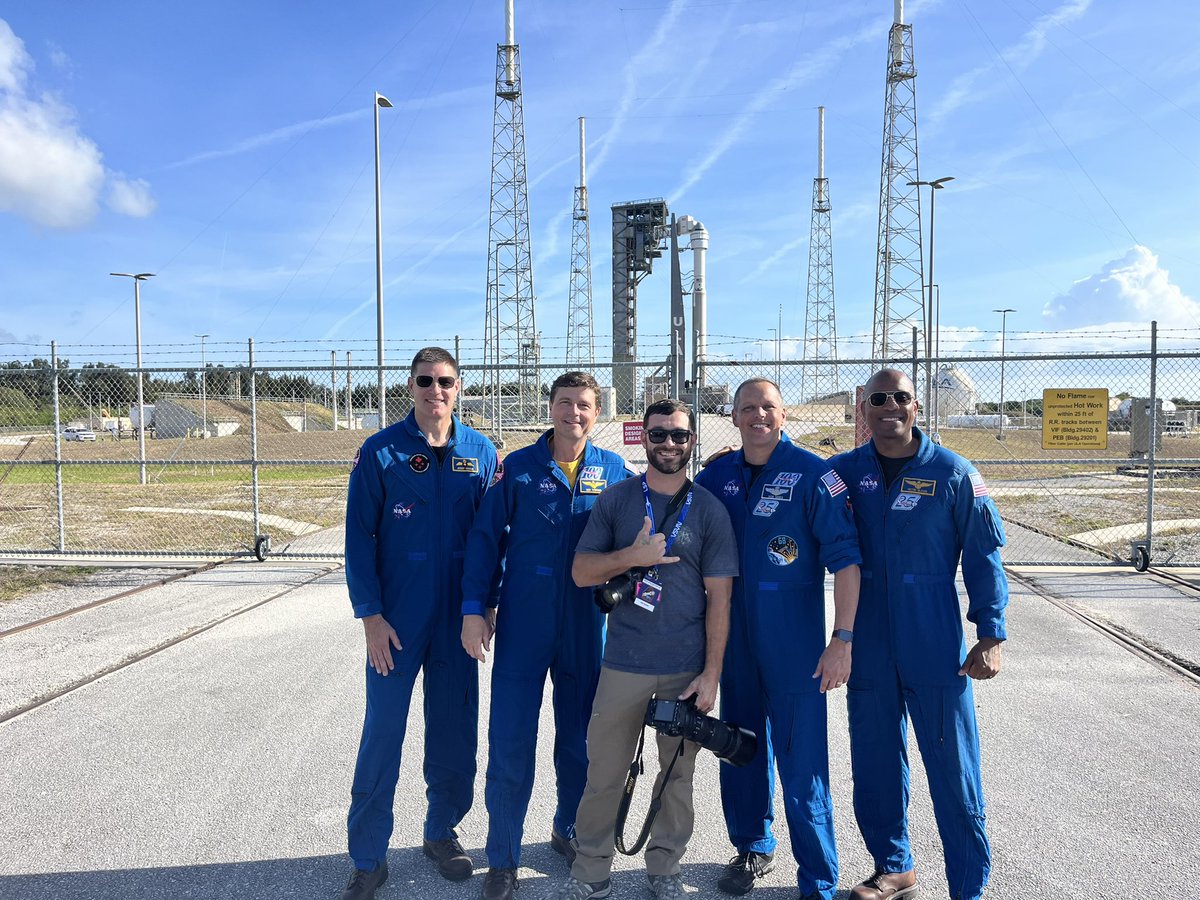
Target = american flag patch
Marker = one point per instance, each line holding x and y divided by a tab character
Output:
977	484
834	484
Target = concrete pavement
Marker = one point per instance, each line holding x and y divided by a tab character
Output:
220	767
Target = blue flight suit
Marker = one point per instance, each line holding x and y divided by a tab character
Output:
532	521
909	646
792	522
407	517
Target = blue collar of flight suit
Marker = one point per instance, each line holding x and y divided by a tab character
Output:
926	449
414	430
773	460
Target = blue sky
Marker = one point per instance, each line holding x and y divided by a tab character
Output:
227	147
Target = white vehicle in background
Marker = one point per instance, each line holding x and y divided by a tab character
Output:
78	433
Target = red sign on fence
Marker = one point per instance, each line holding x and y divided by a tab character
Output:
632	432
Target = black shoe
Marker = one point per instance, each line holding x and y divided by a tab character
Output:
500	884
363	884
452	860
739	875
563	846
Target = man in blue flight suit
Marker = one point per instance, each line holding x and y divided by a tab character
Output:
414	490
790	515
532	521
919	508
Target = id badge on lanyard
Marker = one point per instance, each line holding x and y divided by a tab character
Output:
648	593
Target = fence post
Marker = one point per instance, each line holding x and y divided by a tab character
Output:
1153	440
333	386
259	548
58	482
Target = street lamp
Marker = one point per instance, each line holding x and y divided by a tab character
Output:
203	391
383	101
137	325
934	186
1003	330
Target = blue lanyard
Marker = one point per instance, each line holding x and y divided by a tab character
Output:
687	504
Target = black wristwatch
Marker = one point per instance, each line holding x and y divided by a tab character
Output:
843	635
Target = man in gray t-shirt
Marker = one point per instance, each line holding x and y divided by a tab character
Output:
671	638
668	642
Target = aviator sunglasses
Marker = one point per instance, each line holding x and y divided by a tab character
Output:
677	435
444	381
879	398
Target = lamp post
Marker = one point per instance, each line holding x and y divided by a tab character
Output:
1003	331
383	101
137	332
203	388
934	186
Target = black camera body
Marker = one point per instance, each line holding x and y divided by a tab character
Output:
618	589
680	718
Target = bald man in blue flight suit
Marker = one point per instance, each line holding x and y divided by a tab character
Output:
919	508
790	515
413	493
532	521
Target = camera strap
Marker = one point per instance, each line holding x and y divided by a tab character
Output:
635	769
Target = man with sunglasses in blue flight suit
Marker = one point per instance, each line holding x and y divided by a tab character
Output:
919	508
790	515
532	522
413	493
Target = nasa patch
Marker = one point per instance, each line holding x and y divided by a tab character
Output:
907	501
868	484
732	488
766	508
782	551
419	463
402	511
547	486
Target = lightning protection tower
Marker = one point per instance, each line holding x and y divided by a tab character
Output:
638	229
581	339
899	274
820	327
512	352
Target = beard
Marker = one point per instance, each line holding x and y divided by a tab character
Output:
671	466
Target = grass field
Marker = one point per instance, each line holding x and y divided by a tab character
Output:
201	496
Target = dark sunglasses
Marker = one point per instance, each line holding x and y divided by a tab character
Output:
879	398
677	435
444	381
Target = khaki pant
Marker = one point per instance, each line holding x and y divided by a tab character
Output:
617	716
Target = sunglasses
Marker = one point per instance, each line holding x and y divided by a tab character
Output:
444	381
879	398
677	435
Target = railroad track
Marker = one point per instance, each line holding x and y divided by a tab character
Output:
146	653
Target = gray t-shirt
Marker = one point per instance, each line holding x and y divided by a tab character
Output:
671	638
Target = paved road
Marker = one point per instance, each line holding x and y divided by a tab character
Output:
220	767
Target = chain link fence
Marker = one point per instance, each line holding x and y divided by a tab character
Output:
244	459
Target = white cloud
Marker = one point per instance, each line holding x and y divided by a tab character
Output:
50	173
1132	289
130	197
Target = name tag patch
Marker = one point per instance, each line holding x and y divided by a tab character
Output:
907	501
465	464
777	492
924	486
592	485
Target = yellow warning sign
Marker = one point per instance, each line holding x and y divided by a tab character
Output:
1075	418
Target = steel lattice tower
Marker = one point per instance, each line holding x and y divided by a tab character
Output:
820	327
899	274
512	351
581	339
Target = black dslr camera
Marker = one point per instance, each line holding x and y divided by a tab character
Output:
618	589
680	718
